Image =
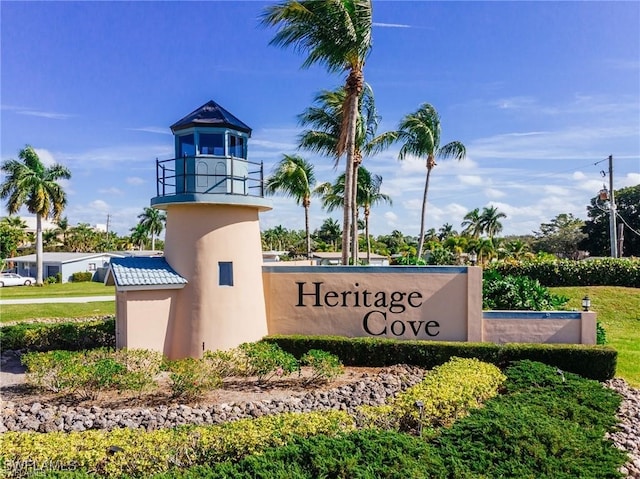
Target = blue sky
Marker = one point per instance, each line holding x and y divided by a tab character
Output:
539	92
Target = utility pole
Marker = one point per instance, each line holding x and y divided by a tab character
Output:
612	212
108	219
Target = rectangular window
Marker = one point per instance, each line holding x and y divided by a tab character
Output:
187	145
225	271
92	267
212	144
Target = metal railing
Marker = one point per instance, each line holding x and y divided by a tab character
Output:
179	176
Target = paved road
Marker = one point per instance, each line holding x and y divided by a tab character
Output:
59	299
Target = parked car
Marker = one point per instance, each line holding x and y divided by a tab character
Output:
13	279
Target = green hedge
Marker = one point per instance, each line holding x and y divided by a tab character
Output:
81	276
596	272
593	362
73	336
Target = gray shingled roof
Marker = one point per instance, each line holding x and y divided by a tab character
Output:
149	271
211	114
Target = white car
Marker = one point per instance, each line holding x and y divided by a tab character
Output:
13	279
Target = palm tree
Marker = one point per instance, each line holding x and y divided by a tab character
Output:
336	34
369	195
294	176
490	221
471	223
63	229
419	133
138	236
330	232
32	184
325	117
153	221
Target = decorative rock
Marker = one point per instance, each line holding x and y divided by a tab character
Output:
627	436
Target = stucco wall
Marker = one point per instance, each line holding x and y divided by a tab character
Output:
438	303
210	316
144	319
540	327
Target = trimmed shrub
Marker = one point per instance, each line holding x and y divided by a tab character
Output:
73	336
447	393
596	272
81	276
138	453
593	362
548	425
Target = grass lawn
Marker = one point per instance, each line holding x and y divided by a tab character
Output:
21	312
57	289
619	312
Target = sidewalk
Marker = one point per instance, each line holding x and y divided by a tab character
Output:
60	299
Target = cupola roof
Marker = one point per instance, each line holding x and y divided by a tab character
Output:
211	114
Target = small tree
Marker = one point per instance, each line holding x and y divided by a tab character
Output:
32	184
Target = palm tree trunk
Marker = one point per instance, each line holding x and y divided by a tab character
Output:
306	227
430	164
366	229
153	242
354	216
353	86
39	252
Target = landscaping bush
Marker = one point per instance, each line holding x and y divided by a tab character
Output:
596	272
517	293
88	373
325	366
360	454
141	454
548	425
190	378
82	276
593	362
73	336
266	360
447	393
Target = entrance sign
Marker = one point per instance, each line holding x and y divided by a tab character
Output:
441	303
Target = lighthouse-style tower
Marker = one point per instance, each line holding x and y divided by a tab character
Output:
212	195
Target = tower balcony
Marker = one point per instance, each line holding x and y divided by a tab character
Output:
210	179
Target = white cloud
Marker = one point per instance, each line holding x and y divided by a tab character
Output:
99	205
134	180
390	25
472	180
153	129
631	179
45	114
493	193
391	217
110	191
556	190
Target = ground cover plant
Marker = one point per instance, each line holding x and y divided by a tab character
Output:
544	425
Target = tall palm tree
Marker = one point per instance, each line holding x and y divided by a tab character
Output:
294	177
471	223
325	118
336	34
153	221
419	134
369	195
490	221
31	183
